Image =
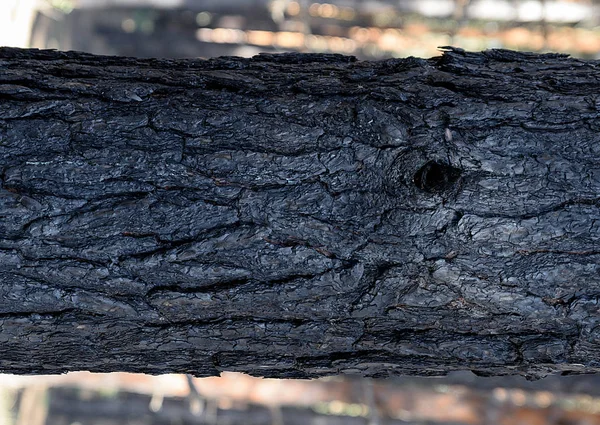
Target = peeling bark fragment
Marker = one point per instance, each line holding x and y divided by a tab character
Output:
299	215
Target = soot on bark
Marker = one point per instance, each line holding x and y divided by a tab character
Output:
436	177
223	219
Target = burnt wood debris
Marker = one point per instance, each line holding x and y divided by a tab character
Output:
300	215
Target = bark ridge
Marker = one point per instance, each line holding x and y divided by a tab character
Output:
299	215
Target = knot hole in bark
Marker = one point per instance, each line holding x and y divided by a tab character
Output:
436	177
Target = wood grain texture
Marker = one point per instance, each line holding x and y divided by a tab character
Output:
300	215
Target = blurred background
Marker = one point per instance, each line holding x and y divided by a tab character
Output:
83	398
368	29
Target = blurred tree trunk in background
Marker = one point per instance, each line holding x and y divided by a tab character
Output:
299	215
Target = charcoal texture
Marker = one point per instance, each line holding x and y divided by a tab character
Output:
300	215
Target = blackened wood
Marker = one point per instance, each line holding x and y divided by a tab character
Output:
300	215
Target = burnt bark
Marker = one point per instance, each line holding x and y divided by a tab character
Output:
300	215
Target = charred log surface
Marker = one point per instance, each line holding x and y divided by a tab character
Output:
300	215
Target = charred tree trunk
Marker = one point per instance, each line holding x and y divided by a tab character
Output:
300	215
